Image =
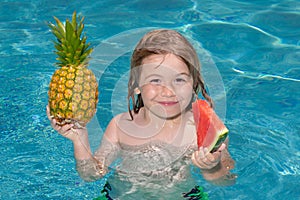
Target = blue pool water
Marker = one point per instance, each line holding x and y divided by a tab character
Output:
254	45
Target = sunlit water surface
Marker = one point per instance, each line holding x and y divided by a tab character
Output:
254	45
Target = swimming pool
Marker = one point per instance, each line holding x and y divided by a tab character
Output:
254	45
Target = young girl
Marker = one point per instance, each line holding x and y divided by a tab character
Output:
155	142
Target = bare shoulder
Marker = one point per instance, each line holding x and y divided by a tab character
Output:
113	129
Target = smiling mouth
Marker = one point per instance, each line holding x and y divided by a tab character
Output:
168	103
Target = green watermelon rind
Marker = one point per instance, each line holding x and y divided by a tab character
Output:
220	140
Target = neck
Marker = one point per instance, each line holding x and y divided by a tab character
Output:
162	122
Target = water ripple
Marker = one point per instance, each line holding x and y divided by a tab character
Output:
255	75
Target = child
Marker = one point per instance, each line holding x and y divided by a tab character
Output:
156	140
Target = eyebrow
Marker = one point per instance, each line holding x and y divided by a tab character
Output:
183	73
153	75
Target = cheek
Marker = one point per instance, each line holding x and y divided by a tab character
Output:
185	91
148	92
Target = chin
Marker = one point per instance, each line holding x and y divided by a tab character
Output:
169	116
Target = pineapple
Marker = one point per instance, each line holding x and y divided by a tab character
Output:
73	90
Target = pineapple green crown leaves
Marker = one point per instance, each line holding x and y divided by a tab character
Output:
71	47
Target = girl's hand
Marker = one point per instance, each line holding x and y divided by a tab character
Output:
69	131
206	160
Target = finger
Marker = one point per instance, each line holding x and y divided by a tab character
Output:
201	153
200	160
205	151
66	130
195	157
54	123
48	112
197	161
222	147
214	157
67	127
205	156
210	159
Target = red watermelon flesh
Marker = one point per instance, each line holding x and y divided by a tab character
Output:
211	132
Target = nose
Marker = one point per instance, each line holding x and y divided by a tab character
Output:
167	91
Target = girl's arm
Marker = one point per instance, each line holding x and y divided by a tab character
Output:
96	166
79	137
89	167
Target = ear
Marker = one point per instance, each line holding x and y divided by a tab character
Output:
137	91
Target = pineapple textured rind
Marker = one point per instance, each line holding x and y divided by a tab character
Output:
73	90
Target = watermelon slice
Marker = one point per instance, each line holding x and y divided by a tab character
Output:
211	132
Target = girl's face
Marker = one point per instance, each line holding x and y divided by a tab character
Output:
166	85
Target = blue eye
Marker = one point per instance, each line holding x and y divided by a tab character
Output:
155	81
180	81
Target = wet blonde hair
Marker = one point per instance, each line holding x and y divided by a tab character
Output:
163	42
